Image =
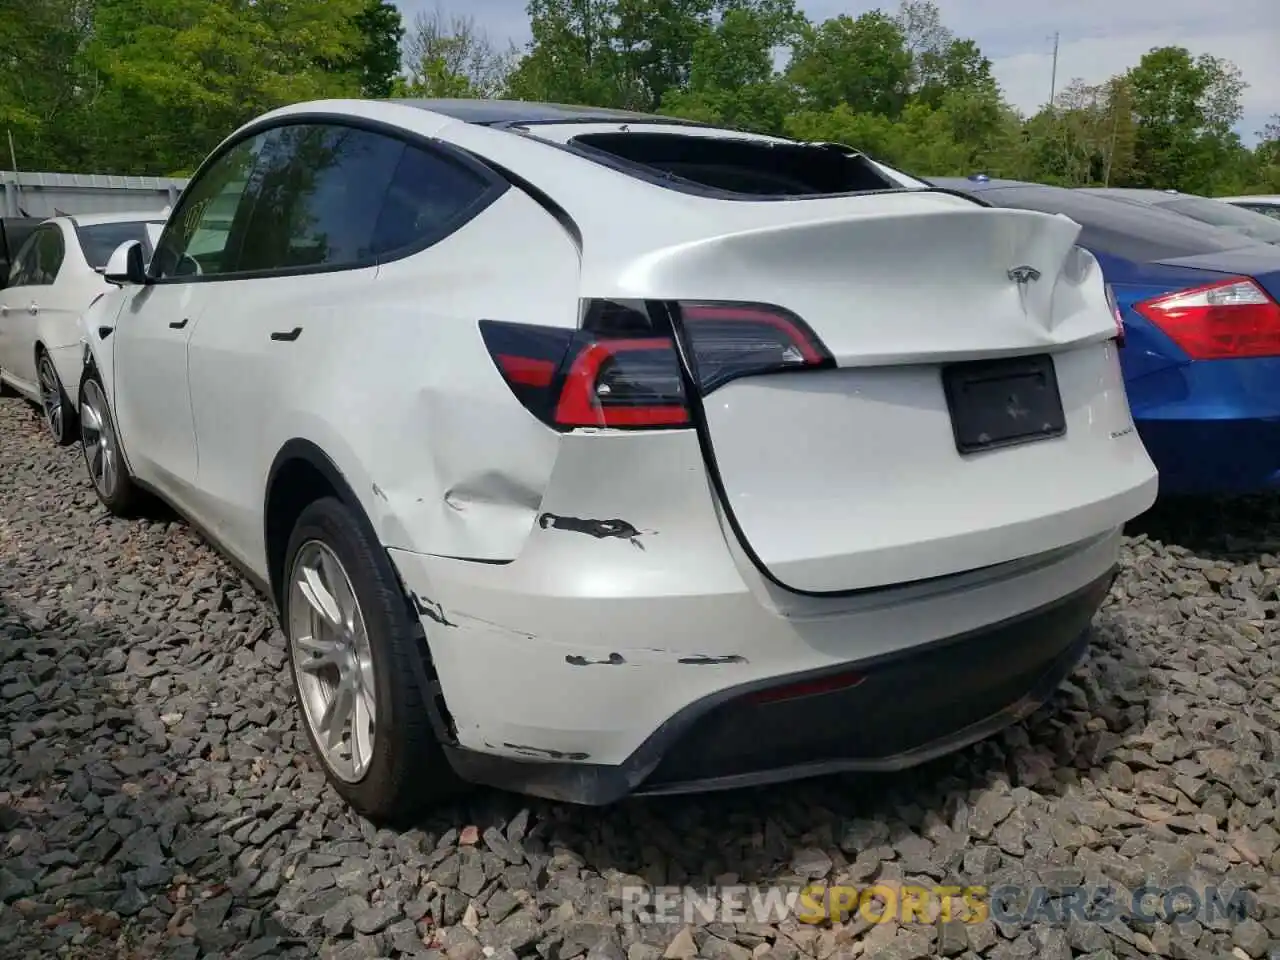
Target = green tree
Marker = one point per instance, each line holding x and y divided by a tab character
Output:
177	76
572	57
861	62
732	80
640	54
43	82
1185	107
453	58
378	63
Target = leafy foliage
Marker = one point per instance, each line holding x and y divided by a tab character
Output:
149	86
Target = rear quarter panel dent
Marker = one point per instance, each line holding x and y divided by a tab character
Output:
460	465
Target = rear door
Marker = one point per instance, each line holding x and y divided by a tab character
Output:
329	202
22	268
29	291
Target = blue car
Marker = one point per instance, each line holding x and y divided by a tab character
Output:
1201	355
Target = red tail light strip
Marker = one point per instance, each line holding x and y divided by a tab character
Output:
581	403
622	369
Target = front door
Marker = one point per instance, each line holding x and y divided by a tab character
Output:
193	264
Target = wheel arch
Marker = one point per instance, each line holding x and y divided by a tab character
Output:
301	473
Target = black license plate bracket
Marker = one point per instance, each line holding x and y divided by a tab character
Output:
1003	403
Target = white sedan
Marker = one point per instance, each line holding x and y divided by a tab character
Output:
55	276
588	453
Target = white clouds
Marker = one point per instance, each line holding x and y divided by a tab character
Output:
1099	38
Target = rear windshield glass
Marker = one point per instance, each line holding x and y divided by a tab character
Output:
100	240
738	167
1225	215
1268	210
1125	230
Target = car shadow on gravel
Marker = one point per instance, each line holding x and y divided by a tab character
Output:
108	845
1232	529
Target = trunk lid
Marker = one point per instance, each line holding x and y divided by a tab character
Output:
854	478
912	277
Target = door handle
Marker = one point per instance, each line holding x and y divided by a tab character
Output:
33	309
4	311
179	324
287	336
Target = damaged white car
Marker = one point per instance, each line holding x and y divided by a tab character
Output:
588	453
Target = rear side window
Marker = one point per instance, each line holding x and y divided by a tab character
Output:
40	258
736	167
1225	215
100	240
327	196
1125	230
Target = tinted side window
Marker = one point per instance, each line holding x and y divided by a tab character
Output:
332	196
428	195
40	259
198	241
318	191
1125	230
24	262
99	241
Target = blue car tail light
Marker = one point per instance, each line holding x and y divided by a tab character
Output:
1232	318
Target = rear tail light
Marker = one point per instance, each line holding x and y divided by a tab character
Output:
1114	304
1231	319
623	368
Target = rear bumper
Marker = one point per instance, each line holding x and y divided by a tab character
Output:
1214	455
611	632
1212	426
903	709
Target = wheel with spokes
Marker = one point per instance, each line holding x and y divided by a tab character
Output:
101	445
59	415
351	649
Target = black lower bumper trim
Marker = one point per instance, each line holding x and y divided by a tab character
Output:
908	708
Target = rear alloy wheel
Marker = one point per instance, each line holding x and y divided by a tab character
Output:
59	415
111	480
352	645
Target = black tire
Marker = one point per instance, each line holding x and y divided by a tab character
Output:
60	418
408	770
5	389
118	493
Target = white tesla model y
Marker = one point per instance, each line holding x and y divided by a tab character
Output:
588	453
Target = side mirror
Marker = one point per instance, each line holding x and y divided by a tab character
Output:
126	265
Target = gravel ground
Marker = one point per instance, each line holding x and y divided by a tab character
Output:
156	799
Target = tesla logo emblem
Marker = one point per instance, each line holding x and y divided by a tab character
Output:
1024	275
1015	409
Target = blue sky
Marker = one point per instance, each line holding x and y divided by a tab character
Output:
1098	37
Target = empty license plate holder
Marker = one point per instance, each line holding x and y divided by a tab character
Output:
1002	403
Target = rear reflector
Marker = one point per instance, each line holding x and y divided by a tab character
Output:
1231	319
808	688
622	369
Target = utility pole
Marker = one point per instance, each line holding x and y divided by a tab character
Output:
1053	77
